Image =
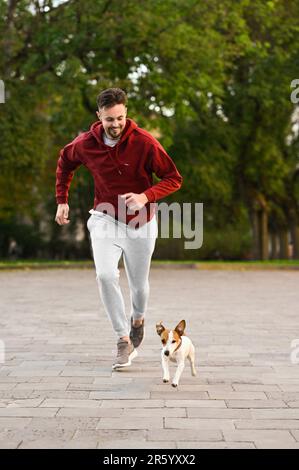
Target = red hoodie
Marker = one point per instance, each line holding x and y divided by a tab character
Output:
126	167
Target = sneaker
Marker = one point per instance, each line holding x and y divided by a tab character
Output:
125	354
136	333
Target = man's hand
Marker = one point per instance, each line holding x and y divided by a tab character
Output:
135	201
62	214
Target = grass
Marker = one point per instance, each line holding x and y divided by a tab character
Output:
197	264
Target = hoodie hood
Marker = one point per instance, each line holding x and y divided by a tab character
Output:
97	130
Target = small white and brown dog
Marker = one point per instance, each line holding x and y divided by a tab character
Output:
176	347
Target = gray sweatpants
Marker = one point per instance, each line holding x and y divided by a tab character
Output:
109	240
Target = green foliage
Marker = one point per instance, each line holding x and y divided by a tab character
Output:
212	78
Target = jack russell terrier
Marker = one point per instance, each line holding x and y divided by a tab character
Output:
176	348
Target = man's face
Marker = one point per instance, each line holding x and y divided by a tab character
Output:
113	120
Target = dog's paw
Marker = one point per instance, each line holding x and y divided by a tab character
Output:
174	385
165	381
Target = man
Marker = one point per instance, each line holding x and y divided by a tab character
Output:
122	158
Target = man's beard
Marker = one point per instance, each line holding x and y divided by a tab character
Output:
115	133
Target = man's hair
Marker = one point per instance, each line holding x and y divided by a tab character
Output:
111	97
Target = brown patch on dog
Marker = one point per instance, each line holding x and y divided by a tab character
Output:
164	336
176	336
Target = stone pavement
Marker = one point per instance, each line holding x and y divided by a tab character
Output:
57	389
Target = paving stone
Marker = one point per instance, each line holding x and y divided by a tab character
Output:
198	423
90	412
28	412
196	403
70	403
58	444
26	403
20	380
13	423
255	404
10	443
40	386
54	394
113	380
93	387
285	396
46	364
255	387
275	379
31	372
67	380
14	395
268	444
131	422
259	434
276	414
7	386
175	394
289	388
127	403
112	435
32	434
83	372
218	413
185	435
63	423
195	388
267	424
137	445
159	412
49	433
214	445
223	395
130	390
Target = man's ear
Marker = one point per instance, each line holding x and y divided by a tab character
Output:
180	328
160	328
98	115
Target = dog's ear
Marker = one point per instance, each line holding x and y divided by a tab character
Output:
180	328
160	328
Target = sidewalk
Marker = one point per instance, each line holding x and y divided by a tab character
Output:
57	389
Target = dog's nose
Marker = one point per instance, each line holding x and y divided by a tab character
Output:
166	353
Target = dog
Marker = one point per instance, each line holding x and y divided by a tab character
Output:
176	347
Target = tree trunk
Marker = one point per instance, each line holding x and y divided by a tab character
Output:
259	222
264	235
295	239
274	246
284	244
255	234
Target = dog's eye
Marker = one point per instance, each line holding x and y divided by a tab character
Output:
163	341
173	341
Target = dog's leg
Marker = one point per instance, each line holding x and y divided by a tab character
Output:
178	373
191	358
165	366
